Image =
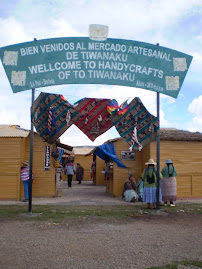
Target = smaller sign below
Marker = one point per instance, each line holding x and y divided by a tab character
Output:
47	158
127	155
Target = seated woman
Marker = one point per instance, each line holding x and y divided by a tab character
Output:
130	190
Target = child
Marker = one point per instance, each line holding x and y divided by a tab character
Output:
140	186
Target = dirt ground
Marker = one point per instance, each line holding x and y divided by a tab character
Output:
88	242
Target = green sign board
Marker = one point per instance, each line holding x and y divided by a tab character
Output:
81	60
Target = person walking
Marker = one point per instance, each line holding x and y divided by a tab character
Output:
149	177
169	185
24	175
79	173
70	170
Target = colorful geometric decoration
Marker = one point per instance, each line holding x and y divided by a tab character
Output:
137	115
113	107
93	118
52	115
123	108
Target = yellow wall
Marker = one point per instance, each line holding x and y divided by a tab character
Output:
14	152
44	181
186	156
86	163
10	161
100	178
133	167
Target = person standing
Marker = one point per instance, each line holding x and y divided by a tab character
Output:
93	171
140	187
70	170
79	173
25	179
169	185
149	177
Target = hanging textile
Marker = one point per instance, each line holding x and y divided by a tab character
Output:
52	115
107	151
61	151
137	115
93	118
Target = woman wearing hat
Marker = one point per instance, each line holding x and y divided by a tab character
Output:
149	177
25	179
169	185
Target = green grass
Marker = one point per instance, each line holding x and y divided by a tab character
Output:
186	207
60	213
174	265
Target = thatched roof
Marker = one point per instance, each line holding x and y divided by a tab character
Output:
169	135
173	135
179	135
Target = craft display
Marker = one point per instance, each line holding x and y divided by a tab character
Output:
93	118
52	115
137	126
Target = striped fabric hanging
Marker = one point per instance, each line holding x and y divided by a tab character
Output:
141	135
134	140
93	118
52	115
51	121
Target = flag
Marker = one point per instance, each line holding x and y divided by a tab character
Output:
123	108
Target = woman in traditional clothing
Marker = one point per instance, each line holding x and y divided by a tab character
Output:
169	185
130	190
149	177
79	173
24	175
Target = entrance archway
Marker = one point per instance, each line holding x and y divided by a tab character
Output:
58	61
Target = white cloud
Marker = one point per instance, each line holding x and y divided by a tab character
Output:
61	28
146	20
74	137
12	32
196	108
199	37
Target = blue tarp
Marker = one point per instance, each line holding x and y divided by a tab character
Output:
107	151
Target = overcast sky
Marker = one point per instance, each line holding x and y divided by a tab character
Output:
173	24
